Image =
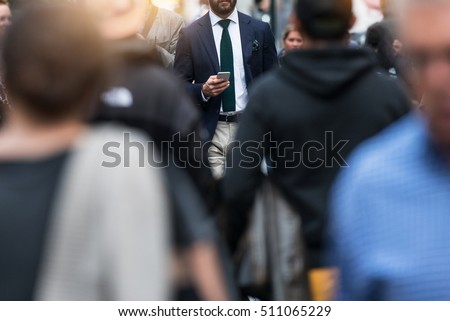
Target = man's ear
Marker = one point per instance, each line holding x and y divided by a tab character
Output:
352	22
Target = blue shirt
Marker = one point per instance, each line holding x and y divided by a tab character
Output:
390	221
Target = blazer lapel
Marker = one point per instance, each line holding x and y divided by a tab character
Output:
207	40
247	38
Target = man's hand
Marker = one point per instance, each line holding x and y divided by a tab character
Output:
214	86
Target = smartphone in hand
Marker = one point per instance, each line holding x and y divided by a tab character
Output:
225	75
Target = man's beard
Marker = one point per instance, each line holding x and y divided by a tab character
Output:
217	8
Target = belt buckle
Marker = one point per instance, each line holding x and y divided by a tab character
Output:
233	115
230	116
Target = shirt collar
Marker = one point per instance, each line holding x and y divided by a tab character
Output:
234	17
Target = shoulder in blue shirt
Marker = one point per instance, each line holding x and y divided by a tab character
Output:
390	218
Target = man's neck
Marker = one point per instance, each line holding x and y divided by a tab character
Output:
25	139
223	16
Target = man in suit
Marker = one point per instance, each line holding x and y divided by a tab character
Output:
224	40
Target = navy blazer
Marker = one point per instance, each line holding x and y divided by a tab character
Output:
196	59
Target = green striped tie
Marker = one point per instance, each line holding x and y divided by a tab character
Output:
227	65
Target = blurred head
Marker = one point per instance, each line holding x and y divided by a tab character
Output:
380	39
324	20
53	63
117	19
424	27
222	8
292	39
5	16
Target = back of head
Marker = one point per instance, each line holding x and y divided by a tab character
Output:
380	39
325	19
54	61
378	35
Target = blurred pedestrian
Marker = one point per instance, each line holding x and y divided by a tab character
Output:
161	29
5	22
66	231
142	94
385	41
292	40
390	215
5	16
242	48
380	39
145	96
306	118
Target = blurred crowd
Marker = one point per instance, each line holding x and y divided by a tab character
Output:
143	158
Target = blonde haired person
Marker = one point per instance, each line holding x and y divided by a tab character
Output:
292	40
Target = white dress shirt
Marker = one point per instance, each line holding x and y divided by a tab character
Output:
238	56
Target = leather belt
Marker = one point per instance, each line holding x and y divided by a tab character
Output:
230	118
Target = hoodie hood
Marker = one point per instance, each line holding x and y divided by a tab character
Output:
327	72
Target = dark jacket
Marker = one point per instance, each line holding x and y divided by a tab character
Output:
312	112
196	59
156	105
145	96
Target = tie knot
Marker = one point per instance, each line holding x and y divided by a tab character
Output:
225	23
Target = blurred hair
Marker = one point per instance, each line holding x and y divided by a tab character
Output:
288	30
380	39
54	61
325	19
4	2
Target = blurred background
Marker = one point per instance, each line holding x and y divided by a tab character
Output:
275	12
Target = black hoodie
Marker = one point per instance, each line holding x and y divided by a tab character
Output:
320	104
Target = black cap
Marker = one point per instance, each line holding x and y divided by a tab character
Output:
325	19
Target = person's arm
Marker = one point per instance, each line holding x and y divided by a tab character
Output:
197	239
206	271
168	54
184	66
270	50
167	57
243	174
